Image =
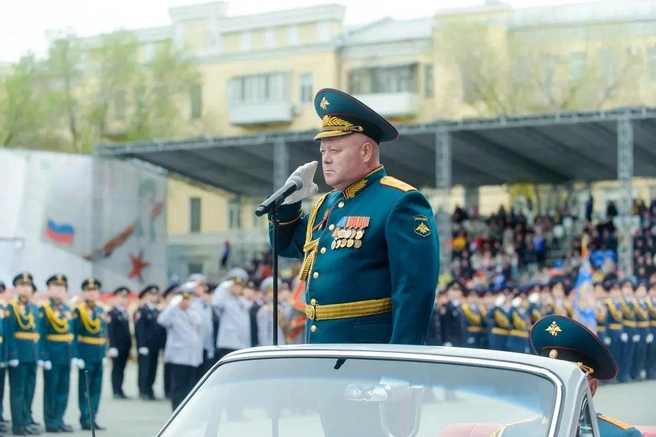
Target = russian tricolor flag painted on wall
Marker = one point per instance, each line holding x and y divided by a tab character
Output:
62	233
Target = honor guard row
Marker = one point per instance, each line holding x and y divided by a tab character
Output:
501	319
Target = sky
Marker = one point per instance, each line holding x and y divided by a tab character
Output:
24	23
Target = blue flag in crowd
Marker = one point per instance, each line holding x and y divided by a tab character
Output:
584	302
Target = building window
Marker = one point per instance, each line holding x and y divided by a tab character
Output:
194	267
651	64
609	72
196	102
234	213
428	81
324	31
576	67
194	214
246	41
292	35
119	105
274	87
379	80
305	90
547	75
270	38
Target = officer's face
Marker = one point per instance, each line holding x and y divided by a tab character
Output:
346	159
24	289
627	290
641	291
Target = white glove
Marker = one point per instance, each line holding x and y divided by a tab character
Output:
500	300
47	365
39	363
650	338
624	337
112	352
636	338
607	341
105	361
80	363
74	362
516	301
175	301
306	174
534	298
143	351
447	344
13	363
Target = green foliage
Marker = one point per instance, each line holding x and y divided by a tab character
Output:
95	90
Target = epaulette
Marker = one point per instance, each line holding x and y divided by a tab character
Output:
617	423
390	181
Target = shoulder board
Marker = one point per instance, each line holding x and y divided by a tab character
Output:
390	181
617	423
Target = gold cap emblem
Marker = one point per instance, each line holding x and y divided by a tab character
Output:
324	103
553	329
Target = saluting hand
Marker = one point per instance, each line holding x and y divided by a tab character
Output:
306	174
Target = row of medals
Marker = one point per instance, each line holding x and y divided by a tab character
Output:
347	238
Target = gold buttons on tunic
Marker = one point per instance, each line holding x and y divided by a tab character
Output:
340	204
313	328
331	227
315	275
313	302
323	250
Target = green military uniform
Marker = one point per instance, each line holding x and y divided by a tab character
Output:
562	338
22	342
371	252
3	359
57	352
90	329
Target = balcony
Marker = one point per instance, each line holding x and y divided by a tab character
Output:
392	105
261	113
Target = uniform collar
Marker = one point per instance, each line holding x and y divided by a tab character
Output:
23	299
352	190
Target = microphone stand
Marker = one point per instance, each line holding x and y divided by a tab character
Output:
275	223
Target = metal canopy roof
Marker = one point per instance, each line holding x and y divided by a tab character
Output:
557	148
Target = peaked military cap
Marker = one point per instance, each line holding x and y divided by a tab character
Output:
57	279
186	290
562	338
121	291
151	289
91	284
24	278
170	289
237	275
342	114
267	284
625	281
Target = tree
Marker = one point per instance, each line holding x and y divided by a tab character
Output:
502	71
22	108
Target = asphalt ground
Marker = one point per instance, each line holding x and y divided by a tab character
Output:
633	403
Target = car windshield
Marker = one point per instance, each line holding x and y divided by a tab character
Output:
298	396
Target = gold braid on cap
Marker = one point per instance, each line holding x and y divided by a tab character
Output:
334	125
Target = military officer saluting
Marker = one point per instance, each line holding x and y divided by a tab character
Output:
120	339
370	246
58	352
147	333
22	342
562	338
90	329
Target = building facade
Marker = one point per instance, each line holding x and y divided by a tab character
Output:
260	72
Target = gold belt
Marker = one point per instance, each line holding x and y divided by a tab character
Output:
474	329
601	328
615	326
630	323
653	323
518	333
499	331
60	337
362	308
643	324
98	341
34	336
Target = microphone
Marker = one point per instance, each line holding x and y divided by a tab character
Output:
294	184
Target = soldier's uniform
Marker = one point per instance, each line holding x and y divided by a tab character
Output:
520	325
147	333
371	251
632	337
498	325
22	342
184	344
120	343
651	342
562	338
615	325
90	330
265	317
3	357
58	351
166	294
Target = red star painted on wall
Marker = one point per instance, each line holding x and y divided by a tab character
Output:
138	264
